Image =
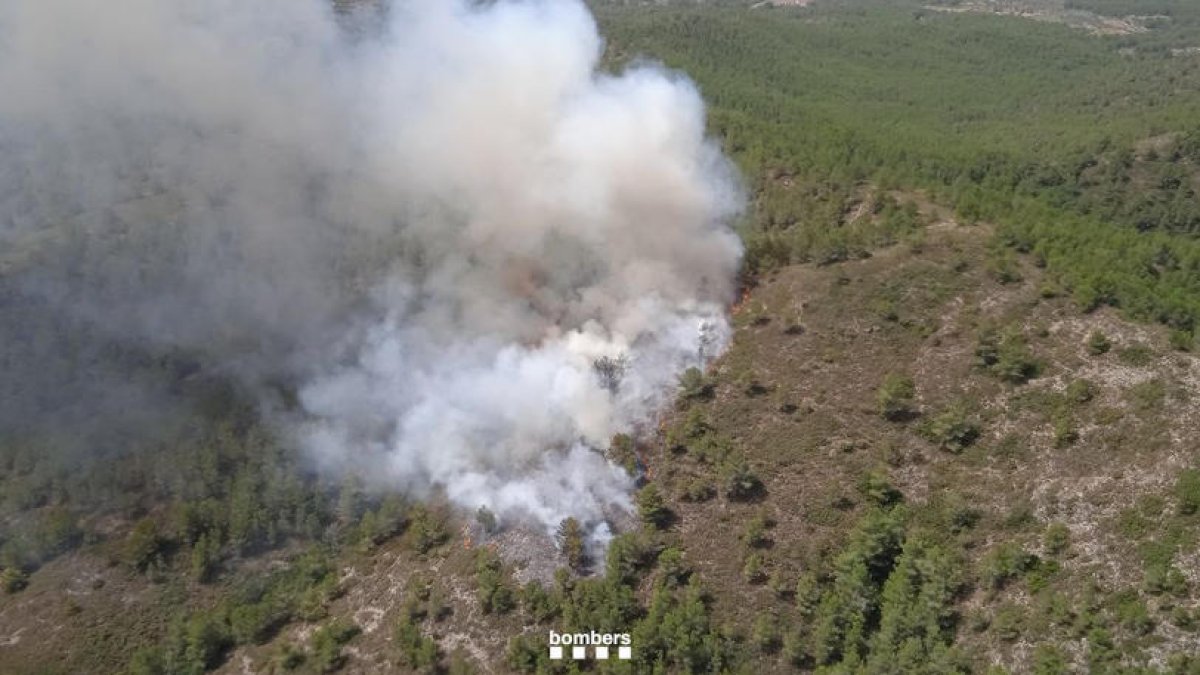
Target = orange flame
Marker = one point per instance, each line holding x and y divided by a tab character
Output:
642	460
741	302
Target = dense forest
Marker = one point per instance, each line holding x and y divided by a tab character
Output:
1083	149
1071	158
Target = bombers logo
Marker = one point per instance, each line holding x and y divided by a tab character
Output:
601	645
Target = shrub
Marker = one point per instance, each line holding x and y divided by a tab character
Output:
1006	355
13	580
538	603
694	386
1081	391
622	452
1008	622
1138	356
1049	660
1005	563
895	397
1041	574
148	661
1132	614
205	555
951	430
780	583
254	623
1102	652
765	634
808	594
1187	492
699	489
460	664
290	657
56	532
754	535
1003	267
876	487
1020	514
1098	343
204	639
712	449
327	642
1182	619
671	565
525	653
1148	396
752	570
1181	340
1065	433
1057	538
416	650
1165	578
144	546
740	483
695	425
1057	609
1132	524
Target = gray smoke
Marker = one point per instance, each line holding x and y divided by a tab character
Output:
432	230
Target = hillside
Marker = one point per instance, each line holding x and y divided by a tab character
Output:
1050	515
953	432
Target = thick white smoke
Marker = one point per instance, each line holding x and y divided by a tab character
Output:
433	229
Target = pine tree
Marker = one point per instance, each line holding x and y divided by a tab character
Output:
651	508
570	542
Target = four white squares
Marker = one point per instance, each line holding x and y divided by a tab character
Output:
602	652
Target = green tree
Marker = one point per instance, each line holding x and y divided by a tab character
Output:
765	634
204	557
539	604
207	637
651	508
496	595
327	642
672	567
416	650
426	530
144	546
486	519
693	385
740	482
570	542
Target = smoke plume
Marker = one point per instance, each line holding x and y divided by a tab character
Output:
431	227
